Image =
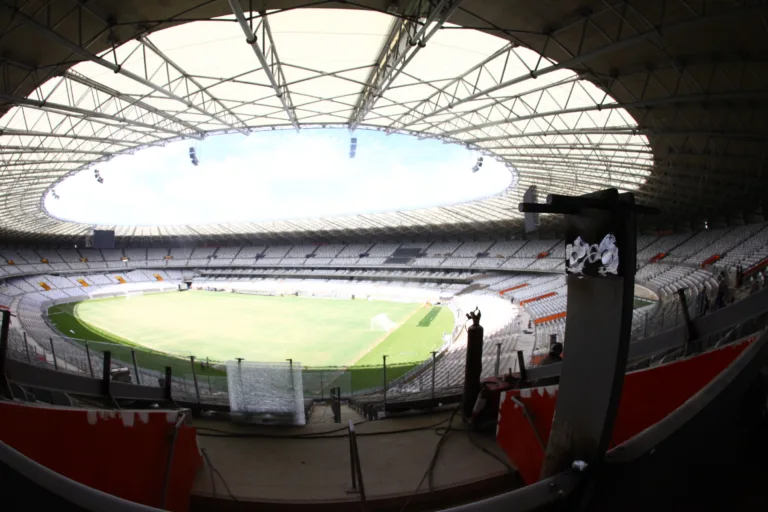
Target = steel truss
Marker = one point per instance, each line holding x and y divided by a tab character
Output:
561	118
407	36
266	53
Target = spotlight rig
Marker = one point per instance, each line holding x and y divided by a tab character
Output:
352	147
478	164
193	156
97	175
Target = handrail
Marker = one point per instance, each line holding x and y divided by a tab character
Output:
531	497
739	312
546	492
67	489
755	355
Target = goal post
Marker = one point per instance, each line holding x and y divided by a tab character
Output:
270	393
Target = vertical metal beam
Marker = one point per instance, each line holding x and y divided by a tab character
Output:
273	70
88	355
194	378
384	368
599	327
407	36
473	366
26	349
5	388
434	364
106	374
53	353
167	383
135	367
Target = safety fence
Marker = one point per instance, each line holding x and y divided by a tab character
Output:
204	380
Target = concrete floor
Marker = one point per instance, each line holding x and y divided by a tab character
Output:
322	415
291	470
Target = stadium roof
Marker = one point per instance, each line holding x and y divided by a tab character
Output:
664	98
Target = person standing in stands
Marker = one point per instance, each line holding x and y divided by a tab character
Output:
721	288
555	354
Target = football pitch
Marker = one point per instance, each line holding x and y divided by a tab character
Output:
224	326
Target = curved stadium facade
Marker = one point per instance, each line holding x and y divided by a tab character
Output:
663	100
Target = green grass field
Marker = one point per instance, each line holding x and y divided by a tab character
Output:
640	302
223	326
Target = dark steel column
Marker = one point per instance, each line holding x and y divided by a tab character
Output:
53	353
135	367
598	325
5	388
384	369
26	348
474	363
434	364
690	328
106	373
88	355
194	378
167	383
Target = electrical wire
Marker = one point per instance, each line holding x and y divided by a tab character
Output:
327	406
430	468
214	470
488	452
318	435
309	435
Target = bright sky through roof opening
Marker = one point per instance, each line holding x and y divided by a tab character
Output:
276	175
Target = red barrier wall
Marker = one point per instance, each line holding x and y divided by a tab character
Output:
710	260
507	290
123	453
757	266
647	397
534	299
549	318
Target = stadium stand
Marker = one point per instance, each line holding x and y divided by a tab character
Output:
300	251
510	301
354	250
227	253
472	249
750	252
201	253
156	254
535	247
328	250
381	251
506	249
92	255
662	246
442	248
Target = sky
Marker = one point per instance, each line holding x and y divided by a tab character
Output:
275	175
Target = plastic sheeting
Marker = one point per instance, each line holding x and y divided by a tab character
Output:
266	392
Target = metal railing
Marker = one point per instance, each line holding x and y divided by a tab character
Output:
207	382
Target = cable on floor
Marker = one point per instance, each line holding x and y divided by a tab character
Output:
214	470
318	435
443	433
488	452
